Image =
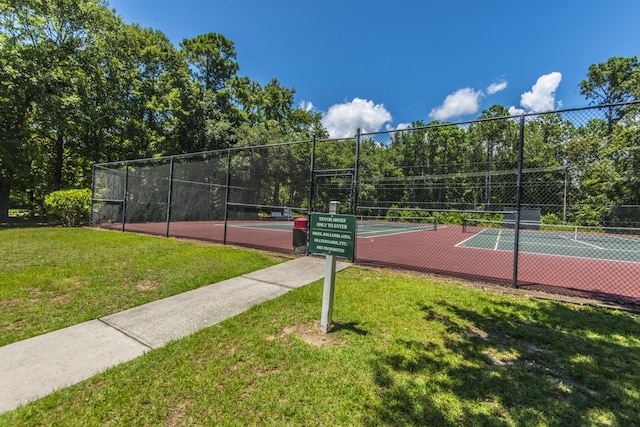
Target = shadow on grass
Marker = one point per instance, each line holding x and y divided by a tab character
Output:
349	327
25	222
510	364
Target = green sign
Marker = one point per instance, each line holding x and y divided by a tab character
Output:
332	234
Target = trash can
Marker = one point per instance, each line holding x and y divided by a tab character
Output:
300	233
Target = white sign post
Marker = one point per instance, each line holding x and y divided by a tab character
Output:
329	283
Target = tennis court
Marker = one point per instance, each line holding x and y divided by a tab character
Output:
365	226
379	227
578	243
592	264
577	262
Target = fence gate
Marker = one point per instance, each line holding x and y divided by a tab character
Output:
333	184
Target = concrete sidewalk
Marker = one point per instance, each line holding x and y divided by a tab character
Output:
33	368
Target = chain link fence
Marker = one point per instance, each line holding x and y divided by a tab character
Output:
542	201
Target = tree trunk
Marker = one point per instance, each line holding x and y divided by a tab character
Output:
276	193
4	199
59	161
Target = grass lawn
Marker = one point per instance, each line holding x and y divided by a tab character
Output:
51	278
405	350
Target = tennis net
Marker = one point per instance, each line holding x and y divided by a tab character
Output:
396	223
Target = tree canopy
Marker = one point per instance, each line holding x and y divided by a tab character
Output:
79	86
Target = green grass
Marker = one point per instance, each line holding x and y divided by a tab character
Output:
405	350
51	278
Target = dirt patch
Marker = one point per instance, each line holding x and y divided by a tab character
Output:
147	285
7	301
311	334
477	332
500	358
62	299
178	414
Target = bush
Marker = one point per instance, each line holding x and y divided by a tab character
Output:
405	215
70	207
551	219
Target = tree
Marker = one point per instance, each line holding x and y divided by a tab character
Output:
17	94
272	105
154	106
546	166
48	52
614	81
212	58
495	141
213	111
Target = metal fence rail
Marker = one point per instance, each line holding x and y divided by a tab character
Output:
544	201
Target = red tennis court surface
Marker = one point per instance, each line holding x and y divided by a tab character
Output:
242	233
435	251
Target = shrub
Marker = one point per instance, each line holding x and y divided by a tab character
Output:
551	219
70	207
408	215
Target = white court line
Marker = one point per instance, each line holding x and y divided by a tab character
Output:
577	246
583	243
469	238
260	227
495	248
389	232
605	250
565	246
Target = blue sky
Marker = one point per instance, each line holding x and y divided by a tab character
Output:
381	65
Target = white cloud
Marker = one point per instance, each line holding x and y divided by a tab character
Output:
542	95
497	87
342	120
306	105
402	126
460	103
513	111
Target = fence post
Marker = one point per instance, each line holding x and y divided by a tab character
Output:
124	195
169	195
565	197
226	196
311	170
354	178
516	237
311	174
93	192
354	189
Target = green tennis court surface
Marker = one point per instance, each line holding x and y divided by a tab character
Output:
573	244
265	225
364	228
